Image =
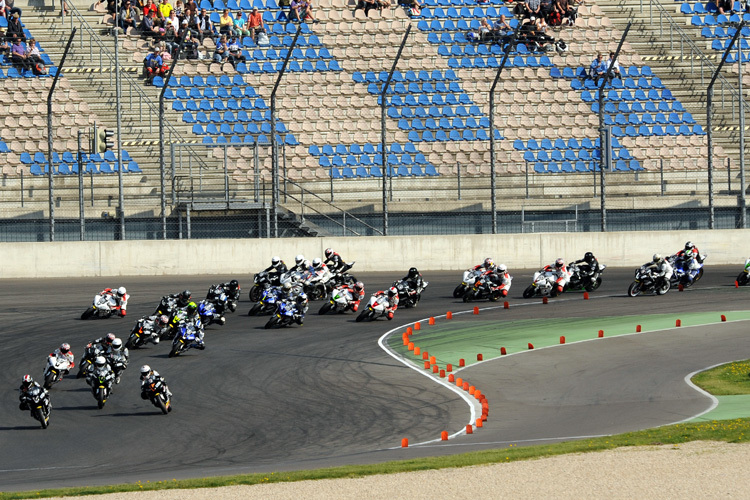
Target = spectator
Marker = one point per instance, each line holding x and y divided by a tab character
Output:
10	8
4	47
32	52
235	54
191	8
300	11
725	6
413	7
112	7
179	10
18	54
366	5
502	30
127	16
165	9
255	24
240	26
15	29
614	72
533	8
148	26
203	25
148	8
172	25
3	6
597	68
485	30
225	23
545	8
189	45
154	65
222	50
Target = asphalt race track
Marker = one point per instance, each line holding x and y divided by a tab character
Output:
326	394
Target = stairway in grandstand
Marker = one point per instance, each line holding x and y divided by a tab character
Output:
329	114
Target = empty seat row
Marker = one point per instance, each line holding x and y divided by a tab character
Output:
489	62
572	143
426	100
466	12
228	116
410	76
459	3
72	157
400	171
433	112
626	95
710	20
294	66
461	24
219	105
647	119
198	93
721	32
581	72
573	155
367	160
469	50
444	123
88	168
237	128
416	88
657	130
356	149
617	84
454	135
584	166
661	106
709	7
13	72
261	139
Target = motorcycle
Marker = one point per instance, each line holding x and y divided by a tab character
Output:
38	404
185	339
55	370
377	307
267	302
104	306
140	335
261	281
479	291
744	277
581	279
469	278
158	394
544	285
645	282
341	301
316	286
342	277
681	275
118	365
408	296
284	316
176	322
101	389
90	353
167	307
221	300
209	313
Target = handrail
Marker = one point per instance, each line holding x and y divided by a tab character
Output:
685	38
143	98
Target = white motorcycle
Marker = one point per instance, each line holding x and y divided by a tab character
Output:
55	370
104	306
469	278
377	307
341	300
544	285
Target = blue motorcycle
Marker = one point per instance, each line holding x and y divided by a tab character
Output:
209	314
186	338
284	316
267	302
683	271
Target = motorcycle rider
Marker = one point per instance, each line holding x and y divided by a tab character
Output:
119	297
392	295
558	269
27	383
148	377
101	371
153	326
65	358
499	280
93	349
357	290
487	265
334	261
301	265
275	270
117	356
180	300
231	290
588	265
661	270
685	257
299	297
414	279
191	316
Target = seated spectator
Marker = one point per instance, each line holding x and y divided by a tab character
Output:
3	6
191	8
255	24
4	47
127	16
367	6
171	25
189	45
18	55
165	9
148	8
545	8
15	29
300	11
10	9
235	53
725	6
148	26
222	50
202	26
32	52
597	68
153	65
614	72
485	30
225	23
240	26
502	30
112	7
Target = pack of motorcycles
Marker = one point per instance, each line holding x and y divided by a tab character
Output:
171	321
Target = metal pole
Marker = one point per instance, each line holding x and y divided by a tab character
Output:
383	152
50	166
274	145
162	169
80	190
602	160
256	171
743	201
226	179
458	179
709	131
493	192
121	194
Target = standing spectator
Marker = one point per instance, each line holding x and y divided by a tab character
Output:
255	24
597	68
15	29
222	50
179	10
240	26
18	54
225	23
127	16
614	72
191	8
154	65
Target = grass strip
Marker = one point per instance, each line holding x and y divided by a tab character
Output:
731	379
731	431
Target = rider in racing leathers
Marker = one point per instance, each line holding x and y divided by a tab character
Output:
275	270
101	370
562	277
358	293
190	315
301	265
65	358
334	261
392	295
299	297
117	356
685	257
148	377
588	264
154	326
231	290
487	265
27	383
499	280
414	279
660	269
119	297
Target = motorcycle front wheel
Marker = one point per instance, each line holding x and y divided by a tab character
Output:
131	343
49	380
593	286
663	289
88	313
272	322
175	351
254	310
458	291
326	307
232	306
101	399
529	292
255	293
634	289
698	276
162	406
742	279
363	315
39	415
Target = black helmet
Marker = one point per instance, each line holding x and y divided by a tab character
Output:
689	246
234	285
589	257
185	295
192	307
413	272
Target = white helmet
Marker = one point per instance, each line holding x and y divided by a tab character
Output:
275	261
145	370
502	268
658	257
299	259
117	344
100	361
286	286
559	263
316	263
121	291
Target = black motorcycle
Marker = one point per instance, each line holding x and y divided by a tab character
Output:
139	335
87	361
646	282
38	404
407	295
261	281
480	291
158	394
101	389
583	277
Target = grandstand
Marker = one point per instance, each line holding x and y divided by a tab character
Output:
328	123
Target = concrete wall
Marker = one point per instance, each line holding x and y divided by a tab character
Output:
393	253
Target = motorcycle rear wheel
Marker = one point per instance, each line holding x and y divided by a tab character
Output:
459	291
39	415
325	309
87	313
634	289
529	292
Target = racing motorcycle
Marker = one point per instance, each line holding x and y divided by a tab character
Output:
317	286
342	277
408	296
55	370
681	275
140	334
90	353
646	282
167	307
104	306
744	277
159	396
101	389
582	279
377	307
185	339
220	300
544	285
469	278
209	313
267	302
38	404
261	281
341	301
284	315
480	291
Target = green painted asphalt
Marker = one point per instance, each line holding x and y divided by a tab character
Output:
730	407
451	340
